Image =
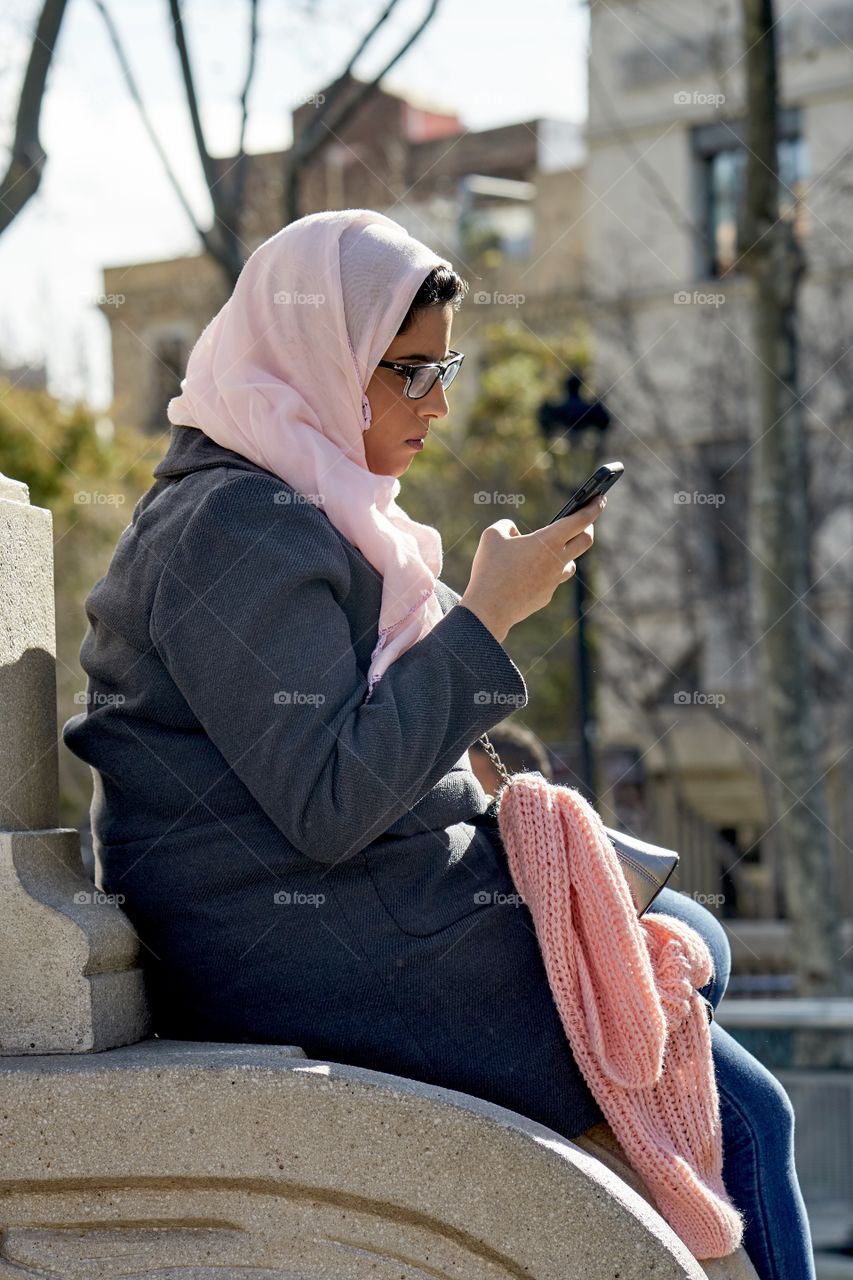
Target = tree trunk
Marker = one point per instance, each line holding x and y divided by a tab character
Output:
780	535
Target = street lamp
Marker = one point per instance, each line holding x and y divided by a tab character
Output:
568	420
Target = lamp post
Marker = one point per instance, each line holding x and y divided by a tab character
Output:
565	423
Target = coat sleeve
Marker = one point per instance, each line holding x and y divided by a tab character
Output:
249	622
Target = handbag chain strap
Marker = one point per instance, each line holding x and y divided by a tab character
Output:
494	757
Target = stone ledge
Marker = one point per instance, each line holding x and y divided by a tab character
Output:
13	490
255	1161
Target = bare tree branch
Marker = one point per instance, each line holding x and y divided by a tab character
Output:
329	122
130	80
189	88
23	176
222	241
225	237
239	187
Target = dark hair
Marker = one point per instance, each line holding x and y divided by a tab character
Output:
441	286
519	748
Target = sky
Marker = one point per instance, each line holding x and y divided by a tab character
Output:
104	198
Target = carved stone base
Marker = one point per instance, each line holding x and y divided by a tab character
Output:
69	977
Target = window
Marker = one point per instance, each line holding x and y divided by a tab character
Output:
496	219
724	475
720	157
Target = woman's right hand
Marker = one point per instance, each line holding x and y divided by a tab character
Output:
514	574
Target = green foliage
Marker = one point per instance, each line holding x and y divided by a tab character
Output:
90	479
499	449
481	247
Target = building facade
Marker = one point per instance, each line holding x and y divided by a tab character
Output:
667	141
490	201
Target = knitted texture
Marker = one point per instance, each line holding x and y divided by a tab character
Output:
625	990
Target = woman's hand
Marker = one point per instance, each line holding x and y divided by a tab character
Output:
516	574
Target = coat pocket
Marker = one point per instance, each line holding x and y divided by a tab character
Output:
430	881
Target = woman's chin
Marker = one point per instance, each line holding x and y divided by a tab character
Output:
395	469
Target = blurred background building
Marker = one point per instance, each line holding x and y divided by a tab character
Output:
497	196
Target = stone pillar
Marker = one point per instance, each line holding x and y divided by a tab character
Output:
69	977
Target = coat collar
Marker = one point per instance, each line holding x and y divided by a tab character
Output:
191	450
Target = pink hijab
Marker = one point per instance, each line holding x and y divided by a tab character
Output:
278	376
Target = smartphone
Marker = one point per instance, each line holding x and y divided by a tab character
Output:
599	482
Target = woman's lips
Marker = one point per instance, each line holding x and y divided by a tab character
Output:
415	443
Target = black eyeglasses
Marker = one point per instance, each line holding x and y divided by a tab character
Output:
421	378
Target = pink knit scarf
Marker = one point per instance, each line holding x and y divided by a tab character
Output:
625	990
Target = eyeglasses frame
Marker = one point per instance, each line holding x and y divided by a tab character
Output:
409	370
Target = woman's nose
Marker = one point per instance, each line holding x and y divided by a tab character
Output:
434	403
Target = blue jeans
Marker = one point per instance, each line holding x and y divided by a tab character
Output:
758	1126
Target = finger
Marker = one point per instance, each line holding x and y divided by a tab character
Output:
581	542
505	526
569	571
575	546
568	526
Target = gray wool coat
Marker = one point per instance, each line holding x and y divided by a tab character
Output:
301	867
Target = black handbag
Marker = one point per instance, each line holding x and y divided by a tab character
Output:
647	867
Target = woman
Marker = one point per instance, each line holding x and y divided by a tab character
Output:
287	692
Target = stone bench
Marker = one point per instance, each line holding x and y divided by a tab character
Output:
127	1155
